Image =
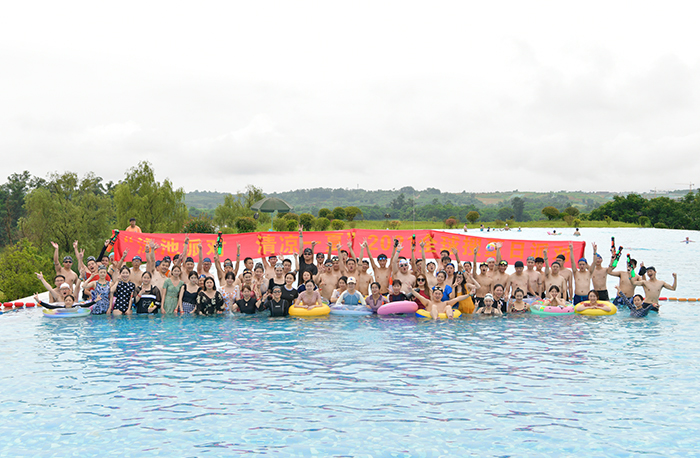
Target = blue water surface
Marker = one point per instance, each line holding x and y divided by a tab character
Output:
357	386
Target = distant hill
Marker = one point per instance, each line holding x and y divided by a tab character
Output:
399	201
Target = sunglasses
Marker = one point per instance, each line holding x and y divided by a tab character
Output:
420	279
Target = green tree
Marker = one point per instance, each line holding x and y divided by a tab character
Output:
550	212
338	213
352	212
280	224
573	211
321	224
306	220
157	207
472	216
325	213
65	209
337	224
12	196
18	263
518	204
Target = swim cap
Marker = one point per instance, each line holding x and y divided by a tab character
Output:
67	258
158	263
519	264
189	259
490	259
166	259
489	296
276	288
583	259
91	258
136	257
66	285
101	267
206	260
530	258
307	251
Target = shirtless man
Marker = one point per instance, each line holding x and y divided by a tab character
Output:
269	265
161	273
348	267
500	277
569	275
400	271
364	279
534	278
326	280
582	276
551	276
485	281
65	269
518	280
381	271
600	279
653	287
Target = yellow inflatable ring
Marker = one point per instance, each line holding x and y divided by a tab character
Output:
422	313
316	311
598	312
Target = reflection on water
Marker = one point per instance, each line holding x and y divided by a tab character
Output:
351	386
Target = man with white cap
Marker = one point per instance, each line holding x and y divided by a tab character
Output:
351	297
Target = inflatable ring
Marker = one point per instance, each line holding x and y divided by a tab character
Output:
397	307
73	312
341	310
424	314
539	308
598	312
316	311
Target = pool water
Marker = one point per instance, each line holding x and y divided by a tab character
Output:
354	386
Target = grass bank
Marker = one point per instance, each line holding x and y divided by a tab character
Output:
426	225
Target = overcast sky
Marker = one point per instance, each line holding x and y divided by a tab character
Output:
475	96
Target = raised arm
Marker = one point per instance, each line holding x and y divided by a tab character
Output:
238	258
56	261
475	271
151	257
546	264
40	276
424	267
422	300
675	283
571	257
217	265
455	251
452	302
183	255
369	255
78	256
592	265
200	257
498	253
395	259
301	240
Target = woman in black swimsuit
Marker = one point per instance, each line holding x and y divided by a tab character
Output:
188	295
209	300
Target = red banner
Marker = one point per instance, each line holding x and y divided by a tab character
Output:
259	244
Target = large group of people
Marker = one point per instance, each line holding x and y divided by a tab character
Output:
179	285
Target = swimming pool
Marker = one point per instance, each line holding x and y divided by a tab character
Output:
352	386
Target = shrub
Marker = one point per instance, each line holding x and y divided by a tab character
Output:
306	220
322	224
293	216
337	224
198	226
18	263
577	222
472	216
339	213
568	219
279	224
292	225
660	225
644	221
450	223
394	224
246	224
573	211
498	223
608	220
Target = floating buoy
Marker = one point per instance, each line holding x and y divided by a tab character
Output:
8	305
19	304
691	299
663	298
29	304
672	299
